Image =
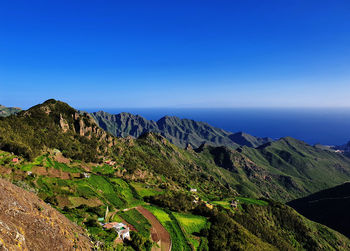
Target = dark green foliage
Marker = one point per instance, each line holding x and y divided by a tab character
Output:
139	243
226	234
287	230
174	201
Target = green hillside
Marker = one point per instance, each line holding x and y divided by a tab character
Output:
78	168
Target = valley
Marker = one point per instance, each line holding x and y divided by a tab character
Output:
204	198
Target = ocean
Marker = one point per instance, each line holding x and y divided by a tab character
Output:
325	126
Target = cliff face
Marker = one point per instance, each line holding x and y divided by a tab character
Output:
28	223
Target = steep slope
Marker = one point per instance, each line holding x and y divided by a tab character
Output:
27	223
53	124
288	230
329	207
283	170
181	132
84	199
302	169
151	169
7	111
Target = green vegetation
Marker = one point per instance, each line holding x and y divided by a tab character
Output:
144	190
191	223
108	191
42	126
178	239
224	203
252	201
136	219
151	169
287	229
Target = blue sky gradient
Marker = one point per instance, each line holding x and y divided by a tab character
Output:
290	53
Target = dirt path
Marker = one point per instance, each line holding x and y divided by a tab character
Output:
158	232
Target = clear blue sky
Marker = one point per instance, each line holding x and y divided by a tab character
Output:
175	53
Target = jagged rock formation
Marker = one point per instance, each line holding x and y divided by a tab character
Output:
181	132
28	223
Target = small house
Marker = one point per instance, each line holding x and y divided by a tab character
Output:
234	204
193	190
15	160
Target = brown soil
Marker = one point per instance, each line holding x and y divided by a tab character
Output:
158	232
60	158
28	223
51	172
39	170
5	170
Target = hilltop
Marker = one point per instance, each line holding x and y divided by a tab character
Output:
54	124
180	132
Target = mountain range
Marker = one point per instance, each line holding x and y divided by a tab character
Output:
180	132
215	197
7	111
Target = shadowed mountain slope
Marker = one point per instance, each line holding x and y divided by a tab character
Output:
329	207
181	132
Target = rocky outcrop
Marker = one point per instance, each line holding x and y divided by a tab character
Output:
28	223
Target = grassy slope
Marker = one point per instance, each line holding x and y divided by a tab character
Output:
118	193
192	224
